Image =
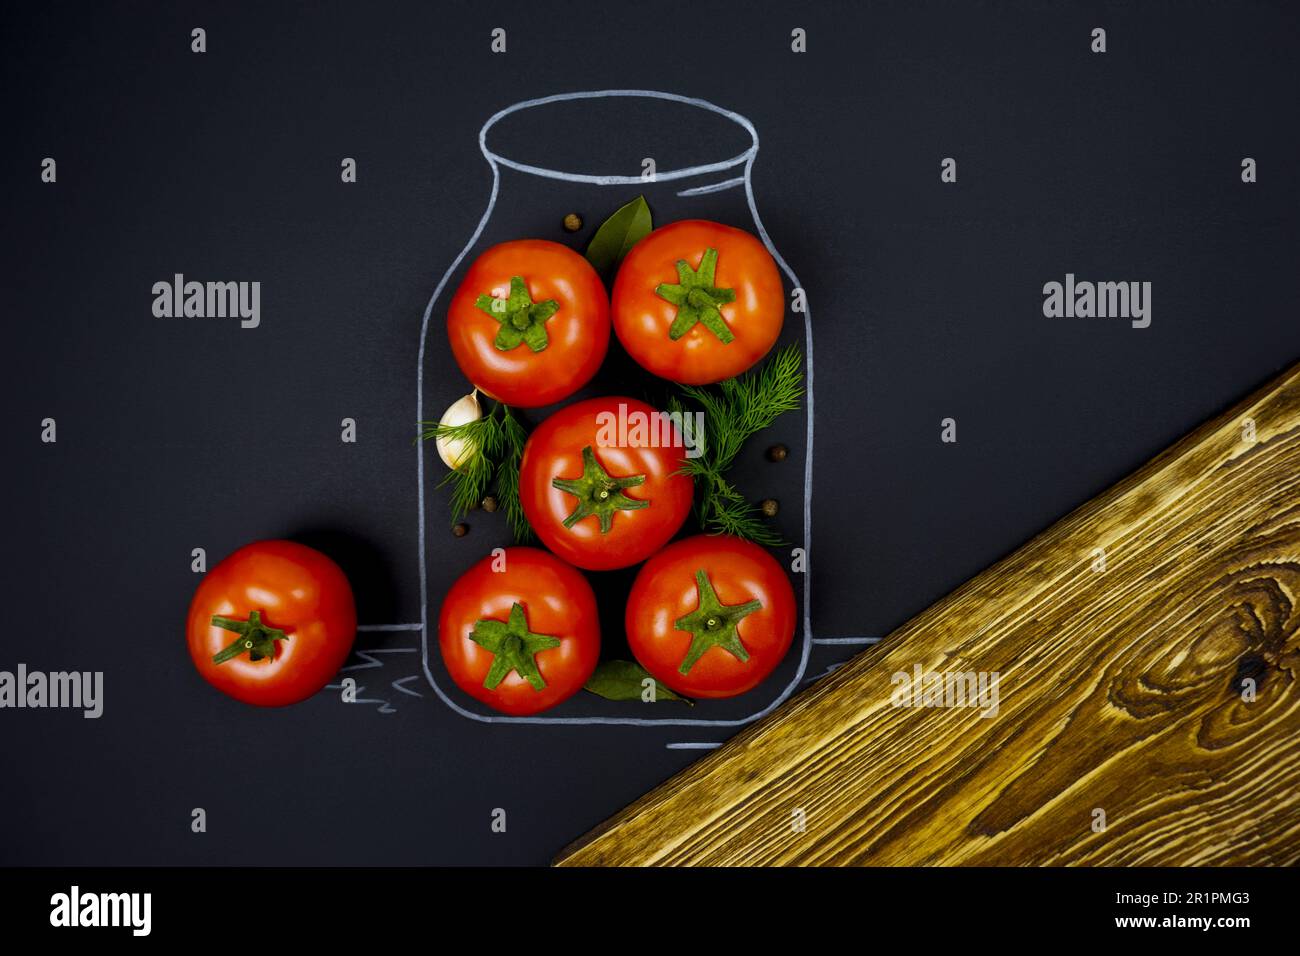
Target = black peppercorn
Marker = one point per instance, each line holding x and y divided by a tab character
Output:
777	453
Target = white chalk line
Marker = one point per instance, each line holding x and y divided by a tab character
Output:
693	746
390	627
385	707
397	685
713	187
830	669
495	162
372	661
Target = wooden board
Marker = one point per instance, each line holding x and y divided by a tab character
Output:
1121	692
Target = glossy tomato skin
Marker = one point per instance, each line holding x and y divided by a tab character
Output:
665	591
557	601
294	588
555	450
577	334
642	318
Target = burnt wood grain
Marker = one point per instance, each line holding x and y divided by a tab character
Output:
1160	692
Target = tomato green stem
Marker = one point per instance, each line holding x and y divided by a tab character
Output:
713	624
598	494
697	299
254	637
521	319
513	648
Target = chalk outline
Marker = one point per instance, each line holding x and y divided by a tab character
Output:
496	161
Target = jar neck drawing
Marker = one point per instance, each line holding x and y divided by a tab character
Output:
692	145
596	151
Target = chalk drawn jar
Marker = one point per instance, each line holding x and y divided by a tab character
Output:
589	153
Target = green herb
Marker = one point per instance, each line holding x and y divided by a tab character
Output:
625	680
734	410
618	234
508	476
496	446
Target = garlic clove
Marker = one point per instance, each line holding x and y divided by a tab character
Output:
455	452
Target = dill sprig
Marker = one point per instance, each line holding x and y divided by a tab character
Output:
514	437
494	446
734	410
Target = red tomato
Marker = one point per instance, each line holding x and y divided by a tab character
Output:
529	324
520	631
272	623
697	302
599	482
711	616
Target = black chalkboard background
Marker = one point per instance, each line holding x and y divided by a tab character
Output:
176	434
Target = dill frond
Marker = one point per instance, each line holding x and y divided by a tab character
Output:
514	438
734	410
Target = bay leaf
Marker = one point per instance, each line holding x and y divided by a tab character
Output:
618	234
622	680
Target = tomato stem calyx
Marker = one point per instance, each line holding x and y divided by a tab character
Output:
254	637
697	299
713	624
522	320
599	494
513	648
